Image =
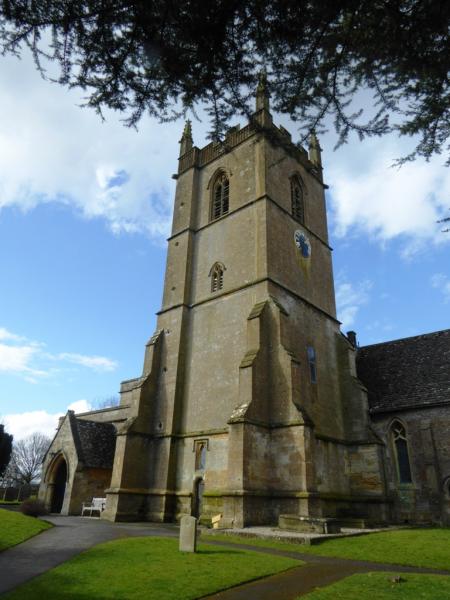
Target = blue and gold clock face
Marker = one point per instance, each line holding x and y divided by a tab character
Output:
303	244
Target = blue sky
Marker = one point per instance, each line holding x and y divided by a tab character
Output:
85	208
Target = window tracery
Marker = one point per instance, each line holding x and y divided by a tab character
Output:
400	443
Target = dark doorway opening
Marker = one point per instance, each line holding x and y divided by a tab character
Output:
59	487
199	486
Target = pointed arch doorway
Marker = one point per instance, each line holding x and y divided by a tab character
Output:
197	498
59	486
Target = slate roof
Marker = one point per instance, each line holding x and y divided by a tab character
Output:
96	443
406	373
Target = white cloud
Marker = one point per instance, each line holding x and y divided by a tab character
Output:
51	150
97	363
80	406
349	298
23	424
386	202
442	283
18	359
13	358
8	336
26	358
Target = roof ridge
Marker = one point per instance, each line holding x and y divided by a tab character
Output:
412	337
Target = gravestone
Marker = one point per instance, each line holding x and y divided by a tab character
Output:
188	534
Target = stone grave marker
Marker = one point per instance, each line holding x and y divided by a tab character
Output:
188	534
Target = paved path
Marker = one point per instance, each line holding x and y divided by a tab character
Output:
319	571
71	536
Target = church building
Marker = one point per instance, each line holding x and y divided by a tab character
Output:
252	404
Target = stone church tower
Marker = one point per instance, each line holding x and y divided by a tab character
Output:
248	404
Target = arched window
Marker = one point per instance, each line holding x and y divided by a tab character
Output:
297	200
220	197
216	275
400	444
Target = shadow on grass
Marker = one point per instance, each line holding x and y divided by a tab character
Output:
51	594
202	551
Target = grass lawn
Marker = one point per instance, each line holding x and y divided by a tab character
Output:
415	547
377	586
16	527
150	568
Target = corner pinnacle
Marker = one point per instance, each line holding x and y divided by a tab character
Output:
186	142
262	93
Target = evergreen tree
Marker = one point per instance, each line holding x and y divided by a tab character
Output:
166	57
5	449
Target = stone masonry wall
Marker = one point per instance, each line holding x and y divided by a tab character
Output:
426	499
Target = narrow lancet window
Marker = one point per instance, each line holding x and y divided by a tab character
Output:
401	452
312	364
216	275
297	200
221	197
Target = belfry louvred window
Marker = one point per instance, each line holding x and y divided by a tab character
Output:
297	200
216	275
401	452
221	195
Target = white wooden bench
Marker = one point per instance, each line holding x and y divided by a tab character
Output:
97	504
